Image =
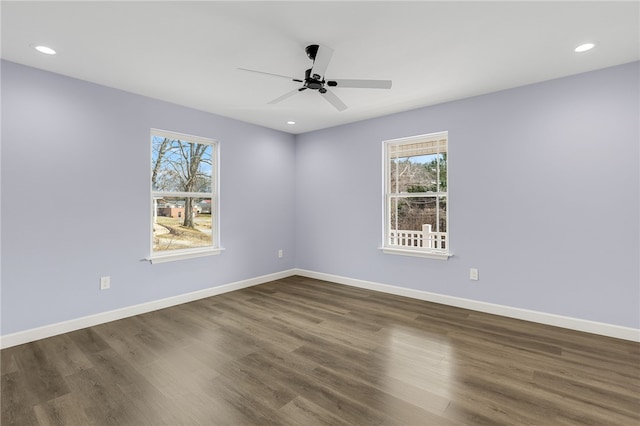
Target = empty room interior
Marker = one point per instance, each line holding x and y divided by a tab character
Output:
246	213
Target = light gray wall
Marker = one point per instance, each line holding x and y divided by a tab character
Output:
75	199
552	224
544	198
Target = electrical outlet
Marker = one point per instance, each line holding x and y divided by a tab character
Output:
473	274
280	254
105	283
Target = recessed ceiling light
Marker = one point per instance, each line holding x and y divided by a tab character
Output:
584	47
291	122
44	49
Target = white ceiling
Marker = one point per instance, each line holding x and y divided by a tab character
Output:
188	52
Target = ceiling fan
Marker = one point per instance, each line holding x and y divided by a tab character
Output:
314	78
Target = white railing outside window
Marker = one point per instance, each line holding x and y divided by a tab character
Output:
418	239
416	197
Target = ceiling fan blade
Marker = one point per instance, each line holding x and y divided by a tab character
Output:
286	95
334	100
364	84
320	64
270	73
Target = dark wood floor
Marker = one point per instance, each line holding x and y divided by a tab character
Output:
299	351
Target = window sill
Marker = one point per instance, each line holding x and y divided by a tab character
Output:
416	253
191	254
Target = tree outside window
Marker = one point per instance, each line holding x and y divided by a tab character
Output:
183	183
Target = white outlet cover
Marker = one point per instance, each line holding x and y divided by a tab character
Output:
473	274
105	283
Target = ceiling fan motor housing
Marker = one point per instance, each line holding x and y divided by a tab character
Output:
312	82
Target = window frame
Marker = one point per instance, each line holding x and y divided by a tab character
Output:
214	195
388	195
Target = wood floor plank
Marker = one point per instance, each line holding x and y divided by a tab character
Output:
88	340
495	355
619	402
15	401
394	409
269	393
285	310
300	411
258	324
8	361
64	354
327	313
41	377
300	351
102	401
62	411
491	394
302	382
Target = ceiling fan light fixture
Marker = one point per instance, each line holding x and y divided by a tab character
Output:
584	47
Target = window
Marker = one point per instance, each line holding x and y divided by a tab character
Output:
184	196
416	218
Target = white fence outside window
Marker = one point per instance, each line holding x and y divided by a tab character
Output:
418	239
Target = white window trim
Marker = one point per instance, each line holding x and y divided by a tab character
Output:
407	251
184	254
417	253
215	248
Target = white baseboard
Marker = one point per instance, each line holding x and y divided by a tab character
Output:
33	334
603	329
577	324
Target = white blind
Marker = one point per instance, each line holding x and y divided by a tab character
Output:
182	137
418	145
